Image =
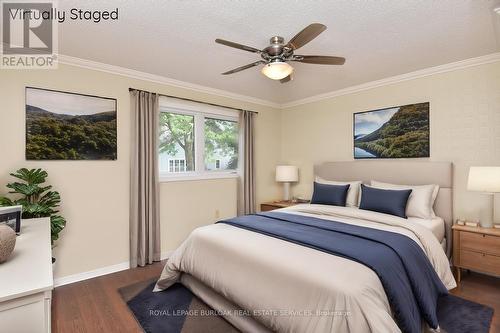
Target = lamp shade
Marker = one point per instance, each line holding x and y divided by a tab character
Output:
484	179
287	173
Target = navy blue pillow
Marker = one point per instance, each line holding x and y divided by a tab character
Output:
384	201
325	194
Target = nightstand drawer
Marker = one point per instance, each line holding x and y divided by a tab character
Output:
480	261
480	242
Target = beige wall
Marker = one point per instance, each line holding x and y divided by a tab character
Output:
465	126
187	205
465	129
95	194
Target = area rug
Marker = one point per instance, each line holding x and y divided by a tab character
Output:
458	315
177	310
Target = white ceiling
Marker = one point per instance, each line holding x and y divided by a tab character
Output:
380	39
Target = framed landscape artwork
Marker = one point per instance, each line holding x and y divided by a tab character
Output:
396	132
69	126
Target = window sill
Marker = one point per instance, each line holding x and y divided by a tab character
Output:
204	176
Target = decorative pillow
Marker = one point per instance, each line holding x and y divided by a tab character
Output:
421	200
384	201
325	194
352	194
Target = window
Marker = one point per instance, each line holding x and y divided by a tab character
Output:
221	144
197	141
176	165
176	142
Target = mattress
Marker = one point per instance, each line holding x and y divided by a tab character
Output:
435	225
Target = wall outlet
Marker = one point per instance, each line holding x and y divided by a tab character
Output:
217	214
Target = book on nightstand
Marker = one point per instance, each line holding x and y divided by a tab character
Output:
468	223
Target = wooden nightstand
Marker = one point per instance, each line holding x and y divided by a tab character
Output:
476	248
267	206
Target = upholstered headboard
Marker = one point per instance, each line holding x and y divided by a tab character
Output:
400	172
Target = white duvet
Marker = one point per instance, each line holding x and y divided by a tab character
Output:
297	288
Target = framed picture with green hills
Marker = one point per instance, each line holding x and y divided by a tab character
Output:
69	126
395	132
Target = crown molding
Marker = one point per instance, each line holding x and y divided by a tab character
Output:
131	73
93	65
482	60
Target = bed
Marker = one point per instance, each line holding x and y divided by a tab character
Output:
261	283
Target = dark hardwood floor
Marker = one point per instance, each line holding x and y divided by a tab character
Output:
95	306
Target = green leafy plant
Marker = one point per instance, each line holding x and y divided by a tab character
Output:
36	198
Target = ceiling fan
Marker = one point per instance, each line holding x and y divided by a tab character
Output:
276	56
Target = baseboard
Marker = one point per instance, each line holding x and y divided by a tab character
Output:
98	272
91	274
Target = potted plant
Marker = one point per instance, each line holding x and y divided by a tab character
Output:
36	198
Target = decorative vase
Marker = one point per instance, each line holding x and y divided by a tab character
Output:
7	242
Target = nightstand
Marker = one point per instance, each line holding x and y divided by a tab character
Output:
267	206
476	248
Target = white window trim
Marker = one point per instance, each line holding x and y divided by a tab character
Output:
200	112
188	176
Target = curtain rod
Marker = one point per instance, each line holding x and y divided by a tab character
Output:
193	100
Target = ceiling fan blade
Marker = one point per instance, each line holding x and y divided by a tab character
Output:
237	46
320	60
305	36
287	79
244	67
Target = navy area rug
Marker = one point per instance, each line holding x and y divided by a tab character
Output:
177	310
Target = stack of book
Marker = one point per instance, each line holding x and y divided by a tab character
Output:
468	223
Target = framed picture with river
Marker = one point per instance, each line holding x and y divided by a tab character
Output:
395	132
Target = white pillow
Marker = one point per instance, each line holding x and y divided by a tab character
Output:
421	201
352	193
434	197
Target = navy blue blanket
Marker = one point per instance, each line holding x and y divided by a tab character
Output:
409	280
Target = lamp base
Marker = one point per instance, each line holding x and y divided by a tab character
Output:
286	191
487	217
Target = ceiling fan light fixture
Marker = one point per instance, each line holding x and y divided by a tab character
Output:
277	70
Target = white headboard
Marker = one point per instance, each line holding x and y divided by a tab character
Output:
400	172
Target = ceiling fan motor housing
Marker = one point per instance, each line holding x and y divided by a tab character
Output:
275	49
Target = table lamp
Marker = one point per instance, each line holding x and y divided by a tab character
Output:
486	180
286	174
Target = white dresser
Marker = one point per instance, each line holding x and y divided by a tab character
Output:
26	281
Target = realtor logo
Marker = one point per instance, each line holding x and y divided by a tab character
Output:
29	35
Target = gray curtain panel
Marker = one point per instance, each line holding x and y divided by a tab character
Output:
144	188
246	184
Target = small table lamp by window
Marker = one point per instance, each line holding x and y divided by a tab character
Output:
487	180
286	174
